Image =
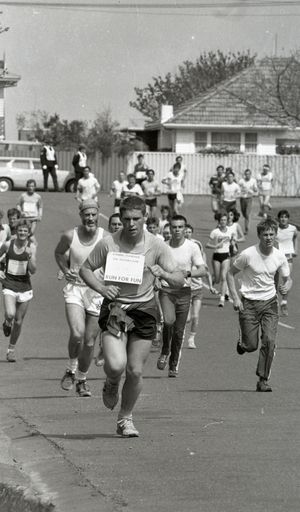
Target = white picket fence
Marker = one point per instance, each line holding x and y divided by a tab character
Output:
285	169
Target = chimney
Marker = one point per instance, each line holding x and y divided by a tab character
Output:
166	113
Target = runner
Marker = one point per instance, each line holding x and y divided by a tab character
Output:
175	301
248	186
128	313
215	184
140	170
287	238
264	183
13	216
82	303
219	240
117	188
174	182
151	190
196	291
132	188
164	218
16	284
30	205
230	191
152	224
88	186
258	304
167	232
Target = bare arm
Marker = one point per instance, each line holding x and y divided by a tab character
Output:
61	258
295	242
87	274
31	250
174	279
237	303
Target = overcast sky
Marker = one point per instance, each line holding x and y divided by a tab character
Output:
76	62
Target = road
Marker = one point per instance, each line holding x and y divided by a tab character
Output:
209	442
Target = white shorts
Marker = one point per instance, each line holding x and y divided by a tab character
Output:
84	297
20	296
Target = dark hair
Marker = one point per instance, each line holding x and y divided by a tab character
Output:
152	220
266	165
150	170
131	175
132	203
265	224
189	226
87	167
31	181
114	215
220	167
24	222
140	154
13	211
229	171
177	165
236	214
176	159
283	212
164	207
166	226
178	217
247	170
218	215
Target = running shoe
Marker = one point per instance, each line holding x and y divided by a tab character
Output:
68	380
173	373
11	356
284	309
221	302
110	394
240	350
191	342
82	388
263	386
162	362
6	329
126	428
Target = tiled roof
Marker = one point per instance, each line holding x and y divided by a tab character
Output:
231	102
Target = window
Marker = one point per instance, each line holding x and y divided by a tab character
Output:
36	165
231	139
200	140
21	164
250	142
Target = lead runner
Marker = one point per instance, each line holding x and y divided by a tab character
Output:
129	313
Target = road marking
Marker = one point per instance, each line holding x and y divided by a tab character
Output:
286	325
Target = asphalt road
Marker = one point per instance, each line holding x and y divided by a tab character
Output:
209	442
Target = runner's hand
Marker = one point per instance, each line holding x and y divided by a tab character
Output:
285	288
238	305
71	275
157	271
110	292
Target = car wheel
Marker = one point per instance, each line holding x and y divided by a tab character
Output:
5	185
70	186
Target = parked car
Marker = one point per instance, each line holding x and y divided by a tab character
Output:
14	173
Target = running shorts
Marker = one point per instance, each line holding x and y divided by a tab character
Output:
83	296
221	256
20	296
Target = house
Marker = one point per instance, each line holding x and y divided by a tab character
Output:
7	79
230	115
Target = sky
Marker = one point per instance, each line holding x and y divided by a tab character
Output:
78	61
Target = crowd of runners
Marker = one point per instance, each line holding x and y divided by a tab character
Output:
140	283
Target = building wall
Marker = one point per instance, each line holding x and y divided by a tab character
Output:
2	114
164	141
185	141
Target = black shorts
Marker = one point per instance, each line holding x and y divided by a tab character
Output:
221	256
172	197
151	202
144	315
117	202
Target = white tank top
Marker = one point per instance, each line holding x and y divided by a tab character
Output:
79	253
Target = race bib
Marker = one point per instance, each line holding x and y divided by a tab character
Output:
124	267
17	268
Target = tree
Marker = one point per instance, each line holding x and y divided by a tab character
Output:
275	89
64	134
104	134
191	79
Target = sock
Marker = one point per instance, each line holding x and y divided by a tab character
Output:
122	416
192	334
81	375
283	302
72	365
11	348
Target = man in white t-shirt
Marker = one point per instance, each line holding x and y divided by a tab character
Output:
265	184
248	187
287	240
175	302
258	304
88	186
117	189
